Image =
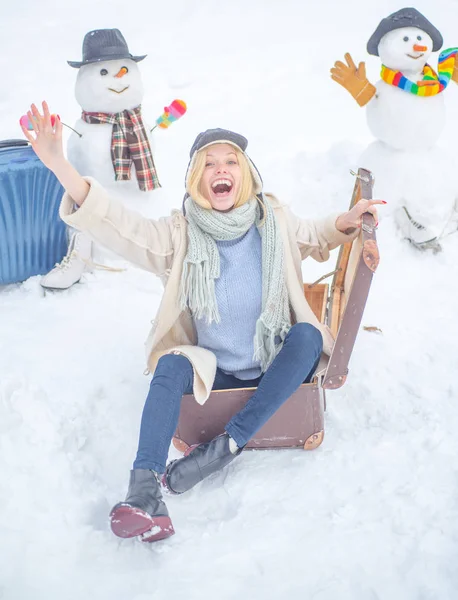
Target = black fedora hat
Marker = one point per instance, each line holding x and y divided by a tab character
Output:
104	44
406	17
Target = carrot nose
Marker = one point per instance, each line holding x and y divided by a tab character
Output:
123	71
418	48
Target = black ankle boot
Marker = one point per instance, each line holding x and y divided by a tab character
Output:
143	512
203	460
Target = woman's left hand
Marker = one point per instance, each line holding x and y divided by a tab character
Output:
350	221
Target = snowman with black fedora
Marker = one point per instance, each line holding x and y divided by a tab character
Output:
110	141
406	113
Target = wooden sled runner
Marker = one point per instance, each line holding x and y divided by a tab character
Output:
299	422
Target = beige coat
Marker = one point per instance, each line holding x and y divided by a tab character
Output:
160	247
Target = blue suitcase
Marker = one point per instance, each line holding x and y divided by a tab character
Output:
32	236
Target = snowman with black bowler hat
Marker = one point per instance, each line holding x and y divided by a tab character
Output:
110	142
406	113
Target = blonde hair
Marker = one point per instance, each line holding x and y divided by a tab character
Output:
247	185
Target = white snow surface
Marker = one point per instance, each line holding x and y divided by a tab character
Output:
373	513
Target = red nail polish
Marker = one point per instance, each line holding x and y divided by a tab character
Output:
384	201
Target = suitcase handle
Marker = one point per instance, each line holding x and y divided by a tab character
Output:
13	143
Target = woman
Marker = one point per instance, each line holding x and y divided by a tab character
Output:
233	313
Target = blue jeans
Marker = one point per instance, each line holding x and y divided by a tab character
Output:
294	364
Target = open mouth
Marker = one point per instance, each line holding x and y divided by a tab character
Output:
415	57
119	91
222	188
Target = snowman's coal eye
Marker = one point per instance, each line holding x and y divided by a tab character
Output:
405	38
419	38
103	72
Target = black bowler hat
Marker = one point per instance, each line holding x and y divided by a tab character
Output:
406	17
104	44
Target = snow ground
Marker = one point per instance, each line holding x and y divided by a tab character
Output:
372	513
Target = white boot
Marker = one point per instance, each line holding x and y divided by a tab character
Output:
419	234
72	266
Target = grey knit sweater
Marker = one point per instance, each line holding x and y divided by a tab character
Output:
239	296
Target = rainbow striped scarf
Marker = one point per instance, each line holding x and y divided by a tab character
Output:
432	82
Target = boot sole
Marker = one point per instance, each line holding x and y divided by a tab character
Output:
128	521
56	289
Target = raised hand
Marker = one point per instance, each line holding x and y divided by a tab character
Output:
46	138
353	79
351	220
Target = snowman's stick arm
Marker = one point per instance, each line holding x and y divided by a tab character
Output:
77	133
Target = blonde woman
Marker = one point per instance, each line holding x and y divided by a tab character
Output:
233	313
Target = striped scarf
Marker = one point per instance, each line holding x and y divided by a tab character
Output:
432	83
129	144
202	266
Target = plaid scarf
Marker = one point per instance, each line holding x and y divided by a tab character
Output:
129	143
432	83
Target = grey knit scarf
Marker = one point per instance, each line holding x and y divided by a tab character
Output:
202	266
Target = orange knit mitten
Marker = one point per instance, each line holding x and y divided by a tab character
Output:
353	79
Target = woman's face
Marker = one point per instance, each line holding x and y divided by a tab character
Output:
221	178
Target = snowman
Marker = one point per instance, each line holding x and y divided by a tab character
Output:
110	141
406	114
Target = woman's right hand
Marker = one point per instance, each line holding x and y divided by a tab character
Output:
47	144
47	141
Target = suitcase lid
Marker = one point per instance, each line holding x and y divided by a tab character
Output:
355	268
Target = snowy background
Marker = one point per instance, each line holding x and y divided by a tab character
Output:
370	515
